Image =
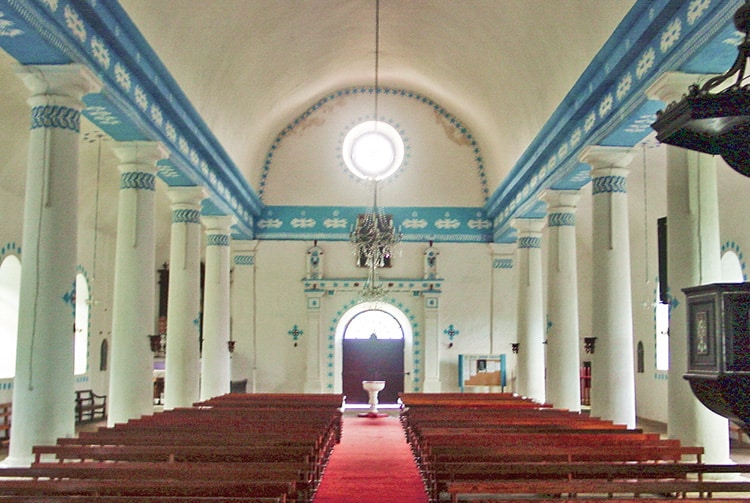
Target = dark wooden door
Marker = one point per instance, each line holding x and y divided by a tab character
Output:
372	360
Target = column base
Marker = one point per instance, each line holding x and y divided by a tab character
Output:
17	462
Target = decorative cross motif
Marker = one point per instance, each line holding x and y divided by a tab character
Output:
295	332
451	332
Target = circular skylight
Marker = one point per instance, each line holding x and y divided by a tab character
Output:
373	150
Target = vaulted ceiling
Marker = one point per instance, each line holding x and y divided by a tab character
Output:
525	83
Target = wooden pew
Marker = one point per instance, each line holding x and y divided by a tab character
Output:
510	450
286	400
474	400
305	480
485	471
5	415
207	453
499	490
151	488
174	453
90	498
90	406
297	471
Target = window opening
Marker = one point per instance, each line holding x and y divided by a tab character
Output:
10	288
374	322
640	358
731	268
81	325
661	312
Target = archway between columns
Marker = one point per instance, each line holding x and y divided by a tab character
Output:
400	317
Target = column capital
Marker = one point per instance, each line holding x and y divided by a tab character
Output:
189	196
602	158
499	249
245	245
217	224
67	81
529	226
559	200
673	86
139	153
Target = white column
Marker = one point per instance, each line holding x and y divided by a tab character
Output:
693	258
243	311
182	378
431	355
563	355
314	342
133	304
215	361
44	383
613	367
531	325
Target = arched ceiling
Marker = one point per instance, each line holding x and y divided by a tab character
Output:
501	66
528	82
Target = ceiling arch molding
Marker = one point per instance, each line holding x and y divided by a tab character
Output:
451	121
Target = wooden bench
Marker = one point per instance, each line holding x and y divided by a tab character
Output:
90	406
485	471
162	487
5	414
285	400
501	447
91	498
174	453
501	490
232	452
299	473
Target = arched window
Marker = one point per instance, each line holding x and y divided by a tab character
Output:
640	358
10	286
661	313
374	322
81	325
103	355
731	268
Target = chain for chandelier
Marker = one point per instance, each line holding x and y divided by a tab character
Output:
377	55
374	237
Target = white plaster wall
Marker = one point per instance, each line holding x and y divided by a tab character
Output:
281	303
465	304
647	203
733	211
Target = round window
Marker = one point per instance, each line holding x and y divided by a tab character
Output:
373	150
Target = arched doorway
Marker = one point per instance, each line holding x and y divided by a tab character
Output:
373	340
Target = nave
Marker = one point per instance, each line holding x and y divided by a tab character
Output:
264	448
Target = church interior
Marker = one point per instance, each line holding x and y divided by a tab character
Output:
293	197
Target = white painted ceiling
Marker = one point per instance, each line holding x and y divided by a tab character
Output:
501	66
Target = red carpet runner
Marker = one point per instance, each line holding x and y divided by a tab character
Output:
372	464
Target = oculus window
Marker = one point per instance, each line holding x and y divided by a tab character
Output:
373	150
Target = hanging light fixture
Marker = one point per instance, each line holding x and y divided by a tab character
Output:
715	118
373	150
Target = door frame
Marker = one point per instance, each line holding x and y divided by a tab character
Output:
400	317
